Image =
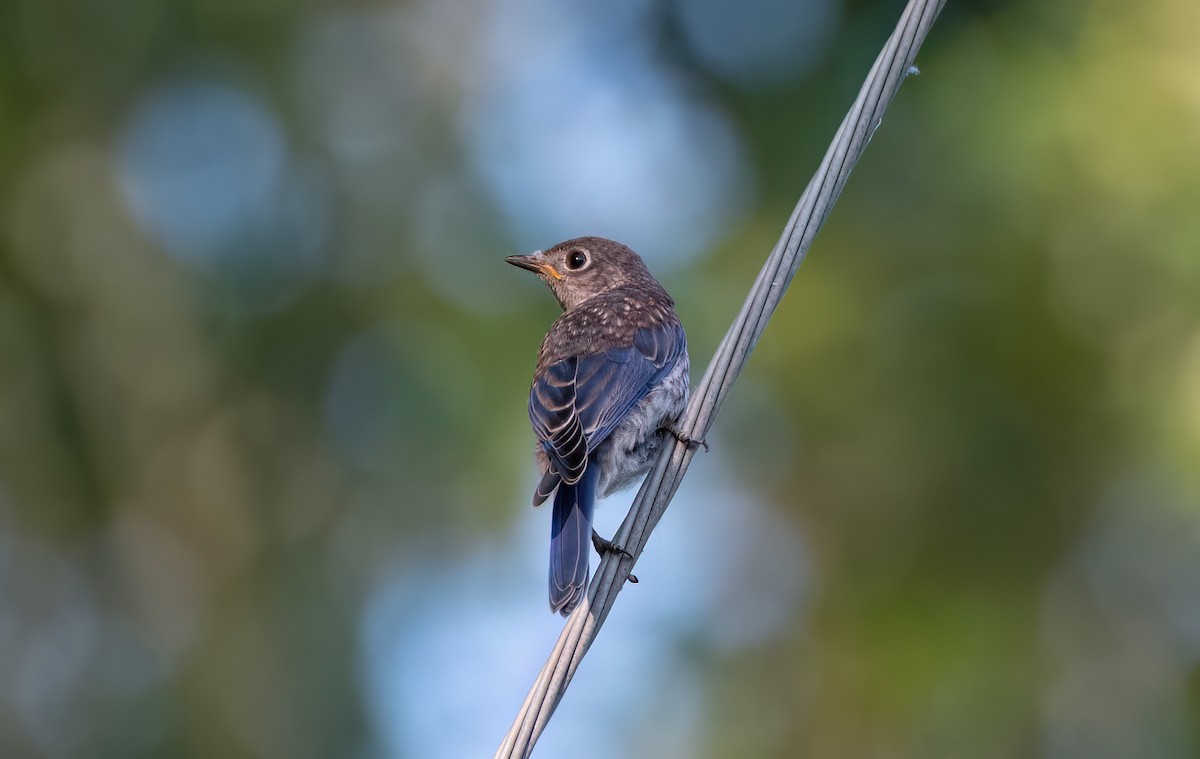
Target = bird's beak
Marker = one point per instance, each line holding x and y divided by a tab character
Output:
534	263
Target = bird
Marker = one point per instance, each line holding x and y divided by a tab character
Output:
610	383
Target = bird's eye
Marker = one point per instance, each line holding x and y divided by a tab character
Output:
576	260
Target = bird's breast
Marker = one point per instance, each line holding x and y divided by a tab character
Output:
629	451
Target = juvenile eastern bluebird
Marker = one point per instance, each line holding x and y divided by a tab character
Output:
611	381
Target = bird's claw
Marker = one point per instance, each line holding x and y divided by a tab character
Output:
684	438
603	546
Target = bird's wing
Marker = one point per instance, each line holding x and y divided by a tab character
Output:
577	402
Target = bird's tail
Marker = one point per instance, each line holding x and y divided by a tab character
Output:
571	541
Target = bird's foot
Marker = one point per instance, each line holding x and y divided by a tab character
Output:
684	438
603	546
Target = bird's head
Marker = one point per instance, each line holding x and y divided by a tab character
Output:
579	269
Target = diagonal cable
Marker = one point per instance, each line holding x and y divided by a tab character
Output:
892	65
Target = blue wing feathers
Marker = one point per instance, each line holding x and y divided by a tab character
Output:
546	485
576	403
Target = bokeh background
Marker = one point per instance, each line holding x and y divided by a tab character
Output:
264	457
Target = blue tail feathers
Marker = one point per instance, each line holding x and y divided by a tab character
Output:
571	541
